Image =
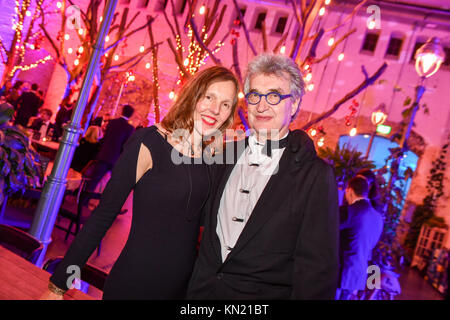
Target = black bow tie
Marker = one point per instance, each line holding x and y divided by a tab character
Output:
273	144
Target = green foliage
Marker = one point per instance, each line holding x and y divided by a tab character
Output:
347	161
393	193
19	163
424	213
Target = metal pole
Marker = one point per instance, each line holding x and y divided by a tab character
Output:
370	144
118	99
420	90
53	192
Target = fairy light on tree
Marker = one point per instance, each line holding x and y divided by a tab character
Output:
26	37
85	22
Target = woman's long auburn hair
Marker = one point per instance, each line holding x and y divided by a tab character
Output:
180	116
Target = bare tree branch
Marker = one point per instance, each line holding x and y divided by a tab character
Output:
235	65
217	25
367	82
202	44
280	42
177	58
264	36
139	55
241	19
335	44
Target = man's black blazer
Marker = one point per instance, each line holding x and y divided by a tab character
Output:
116	134
289	247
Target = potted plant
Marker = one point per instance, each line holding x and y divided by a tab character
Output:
346	160
20	165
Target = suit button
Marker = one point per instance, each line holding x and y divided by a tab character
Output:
220	276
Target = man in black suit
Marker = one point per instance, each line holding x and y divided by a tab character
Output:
28	106
361	228
42	123
271	223
117	133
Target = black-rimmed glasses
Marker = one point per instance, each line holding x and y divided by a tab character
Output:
272	98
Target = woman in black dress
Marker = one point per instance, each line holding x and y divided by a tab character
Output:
157	260
87	149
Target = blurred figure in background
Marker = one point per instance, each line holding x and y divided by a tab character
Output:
13	94
6	88
360	229
87	149
374	194
62	117
116	134
27	106
42	124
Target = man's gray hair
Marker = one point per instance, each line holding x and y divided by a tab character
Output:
278	65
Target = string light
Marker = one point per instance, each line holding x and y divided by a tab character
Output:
306	67
331	42
171	95
241	95
147	65
283	49
186	62
76	62
310	87
308	77
322	11
80	32
371	24
67	36
142	49
116	57
70	50
313	132
107	39
341	57
321	142
353	132
101	18
28	13
59	5
31	66
327	2
202	10
80	49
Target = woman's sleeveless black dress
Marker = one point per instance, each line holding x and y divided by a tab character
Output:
157	260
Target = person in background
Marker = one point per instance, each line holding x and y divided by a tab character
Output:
360	230
42	123
87	149
6	88
62	117
14	93
105	120
117	133
27	106
157	259
374	194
